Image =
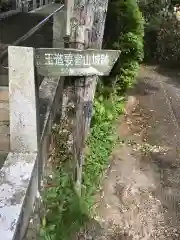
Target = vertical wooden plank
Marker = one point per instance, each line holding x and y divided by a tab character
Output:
44	154
78	41
34	4
58	42
58	29
19	4
25	7
69	6
85	93
41	3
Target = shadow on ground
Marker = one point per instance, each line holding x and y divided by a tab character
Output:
172	75
144	88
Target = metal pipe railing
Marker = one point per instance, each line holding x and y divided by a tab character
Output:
30	32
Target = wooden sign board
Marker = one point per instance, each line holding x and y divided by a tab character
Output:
55	62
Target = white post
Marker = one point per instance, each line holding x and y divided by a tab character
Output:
69	6
24	130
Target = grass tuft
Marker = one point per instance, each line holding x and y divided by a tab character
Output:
66	213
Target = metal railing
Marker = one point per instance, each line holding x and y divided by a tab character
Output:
30	32
9	7
30	131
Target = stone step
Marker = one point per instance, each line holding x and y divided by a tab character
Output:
4	93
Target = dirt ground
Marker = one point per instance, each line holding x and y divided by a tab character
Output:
140	197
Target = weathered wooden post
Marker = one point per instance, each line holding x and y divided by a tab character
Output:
41	3
87	64
58	29
34	4
77	41
69	7
75	62
81	38
25	5
19	4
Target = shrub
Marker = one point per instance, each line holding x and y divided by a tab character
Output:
161	41
124	30
65	213
152	28
168	42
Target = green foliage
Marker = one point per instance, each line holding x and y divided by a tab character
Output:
161	42
153	8
153	13
66	213
101	140
168	42
5	5
124	30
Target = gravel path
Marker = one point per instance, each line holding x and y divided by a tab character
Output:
140	198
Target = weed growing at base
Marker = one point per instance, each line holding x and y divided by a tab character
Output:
65	213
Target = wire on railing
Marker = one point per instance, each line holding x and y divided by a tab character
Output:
30	32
